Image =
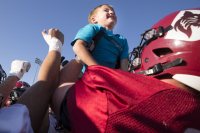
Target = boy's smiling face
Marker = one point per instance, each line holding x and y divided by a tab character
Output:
105	16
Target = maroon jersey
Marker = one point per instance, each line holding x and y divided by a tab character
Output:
110	100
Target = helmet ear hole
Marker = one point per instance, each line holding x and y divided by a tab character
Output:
162	51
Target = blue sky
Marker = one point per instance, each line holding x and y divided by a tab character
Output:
21	23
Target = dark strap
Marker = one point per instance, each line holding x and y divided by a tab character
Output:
158	68
101	34
113	41
97	37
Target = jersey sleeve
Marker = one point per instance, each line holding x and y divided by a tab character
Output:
86	33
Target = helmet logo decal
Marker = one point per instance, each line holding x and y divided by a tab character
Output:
185	23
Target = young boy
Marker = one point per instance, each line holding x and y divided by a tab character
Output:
110	49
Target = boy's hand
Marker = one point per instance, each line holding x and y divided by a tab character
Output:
19	67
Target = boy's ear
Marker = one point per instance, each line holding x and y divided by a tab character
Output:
93	20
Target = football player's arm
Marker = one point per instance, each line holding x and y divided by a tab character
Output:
83	54
18	68
38	96
6	88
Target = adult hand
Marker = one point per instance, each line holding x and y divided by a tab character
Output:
58	34
19	67
54	39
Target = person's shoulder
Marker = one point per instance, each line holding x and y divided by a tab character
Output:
121	39
92	27
120	36
95	26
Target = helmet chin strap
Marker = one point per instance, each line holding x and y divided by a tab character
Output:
189	80
158	68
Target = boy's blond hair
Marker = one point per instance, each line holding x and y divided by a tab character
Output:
94	11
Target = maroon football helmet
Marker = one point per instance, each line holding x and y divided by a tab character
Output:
171	47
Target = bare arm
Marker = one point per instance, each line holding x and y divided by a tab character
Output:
7	86
37	97
18	68
124	64
84	55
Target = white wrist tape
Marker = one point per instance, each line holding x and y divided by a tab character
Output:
19	67
53	42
